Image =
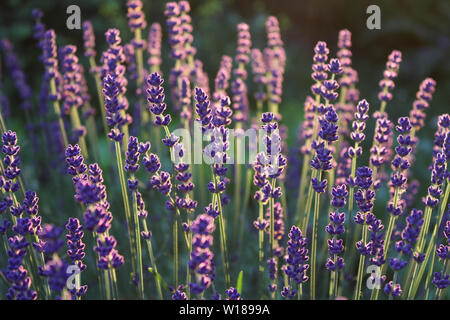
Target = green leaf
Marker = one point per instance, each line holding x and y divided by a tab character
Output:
239	282
160	279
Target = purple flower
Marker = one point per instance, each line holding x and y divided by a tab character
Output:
76	250
89	39
391	72
232	294
154	46
441	280
201	259
16	273
296	257
18	75
339	194
136	19
392	289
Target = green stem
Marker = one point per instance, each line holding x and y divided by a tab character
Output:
301	191
152	260
431	247
175	250
126	203
314	246
138	246
362	258
57	110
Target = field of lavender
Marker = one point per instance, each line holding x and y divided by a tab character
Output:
123	180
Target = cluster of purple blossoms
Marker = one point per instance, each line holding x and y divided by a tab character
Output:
55	269
184	182
23	227
319	67
232	294
136	20
115	85
380	151
409	237
72	80
259	74
135	150
179	294
161	179
203	109
221	82
16	273
275	60
239	87
186	28
51	61
38	30
17	74
269	164
389	75
323	158
296	258
200	76
358	126
348	79
201	259
440	279
421	104
364	197
272	266
343	169
392	289
89	41
76	251
335	228
329	87
11	161
179	26
400	165
91	192
154	46
157	106
184	97
439	174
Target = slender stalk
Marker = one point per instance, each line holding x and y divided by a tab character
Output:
101	101
138	246
309	203
57	110
314	245
175	251
126	203
76	123
223	240
152	260
431	247
92	137
261	241
272	220
301	191
362	258
238	178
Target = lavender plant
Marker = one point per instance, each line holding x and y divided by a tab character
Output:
340	172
